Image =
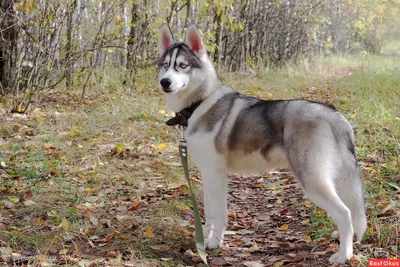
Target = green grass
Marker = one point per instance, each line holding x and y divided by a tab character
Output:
321	224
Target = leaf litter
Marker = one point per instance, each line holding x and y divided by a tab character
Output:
85	205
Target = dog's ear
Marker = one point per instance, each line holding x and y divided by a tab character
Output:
166	39
193	40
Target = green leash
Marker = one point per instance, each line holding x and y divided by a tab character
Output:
197	219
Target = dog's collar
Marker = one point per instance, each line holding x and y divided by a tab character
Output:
182	117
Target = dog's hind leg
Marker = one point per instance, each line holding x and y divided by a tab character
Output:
324	196
349	187
350	191
315	162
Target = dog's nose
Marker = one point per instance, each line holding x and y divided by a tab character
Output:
165	83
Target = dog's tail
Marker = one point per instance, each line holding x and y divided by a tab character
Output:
349	185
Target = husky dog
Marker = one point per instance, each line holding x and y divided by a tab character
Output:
228	132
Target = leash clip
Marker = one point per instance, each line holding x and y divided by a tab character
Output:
182	140
183	145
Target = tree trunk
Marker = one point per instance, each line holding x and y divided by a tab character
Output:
8	38
68	46
218	31
188	11
132	36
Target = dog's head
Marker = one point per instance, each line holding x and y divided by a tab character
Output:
181	65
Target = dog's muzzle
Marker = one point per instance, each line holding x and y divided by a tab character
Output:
165	84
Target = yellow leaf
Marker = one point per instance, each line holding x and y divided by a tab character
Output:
40	120
146	117
75	132
274	187
307	239
87	189
64	224
308	203
160	147
305	222
183	230
14	199
63	251
123	236
148	232
278	264
20	109
182	208
119	148
284	227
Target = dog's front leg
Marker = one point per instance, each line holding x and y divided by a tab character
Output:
208	226
215	184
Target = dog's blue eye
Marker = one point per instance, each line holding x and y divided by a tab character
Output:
165	65
183	65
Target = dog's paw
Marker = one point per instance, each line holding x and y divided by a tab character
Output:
339	258
213	242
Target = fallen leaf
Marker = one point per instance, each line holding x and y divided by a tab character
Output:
232	214
16	256
119	148
218	261
145	116
135	205
284	227
64	224
29	203
356	259
122	218
228	233
255	248
245	232
92	199
182	208
306	222
112	253
274	244
148	232
14	199
63	251
253	264
308	204
75	132
88	212
160	147
284	211
94	220
307	238
183	230
8	204
67	259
